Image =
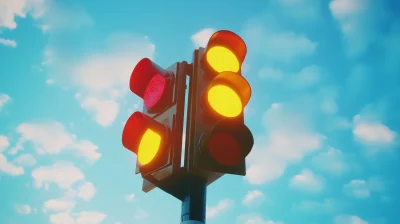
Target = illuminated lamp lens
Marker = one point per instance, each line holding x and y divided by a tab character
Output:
148	147
154	91
222	59
224	149
225	101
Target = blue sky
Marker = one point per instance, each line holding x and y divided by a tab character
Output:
324	110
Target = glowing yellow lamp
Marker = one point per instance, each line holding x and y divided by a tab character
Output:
148	147
225	101
222	59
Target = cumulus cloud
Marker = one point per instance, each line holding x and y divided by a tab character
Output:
349	219
201	38
306	180
362	189
288	140
332	161
8	43
86	191
4	143
61	218
51	137
104	111
372	132
63	174
277	45
101	79
25	160
59	205
4	98
359	22
23	209
85	217
253	197
90	217
9	167
11	9
220	207
357	188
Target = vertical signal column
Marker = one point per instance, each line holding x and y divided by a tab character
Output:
218	137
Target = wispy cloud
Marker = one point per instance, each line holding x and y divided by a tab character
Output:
220	207
8	43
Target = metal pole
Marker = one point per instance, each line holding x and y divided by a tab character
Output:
194	203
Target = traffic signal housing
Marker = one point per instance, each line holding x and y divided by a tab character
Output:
155	133
217	137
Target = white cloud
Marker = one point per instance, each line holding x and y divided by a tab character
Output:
4	98
220	207
277	45
363	188
200	39
101	80
104	111
87	191
307	181
357	188
327	205
59	205
10	168
51	137
308	76
25	160
252	197
288	140
64	174
254	218
23	209
90	217
129	197
62	218
8	43
4	143
359	21
349	219
372	132
11	9
331	161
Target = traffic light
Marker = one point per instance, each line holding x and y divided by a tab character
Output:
155	134
217	135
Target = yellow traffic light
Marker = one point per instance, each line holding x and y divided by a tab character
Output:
148	147
222	59
225	101
225	52
228	94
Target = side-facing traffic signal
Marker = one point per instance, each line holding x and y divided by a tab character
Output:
218	137
155	134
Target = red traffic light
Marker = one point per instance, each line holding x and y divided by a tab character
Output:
151	83
145	137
